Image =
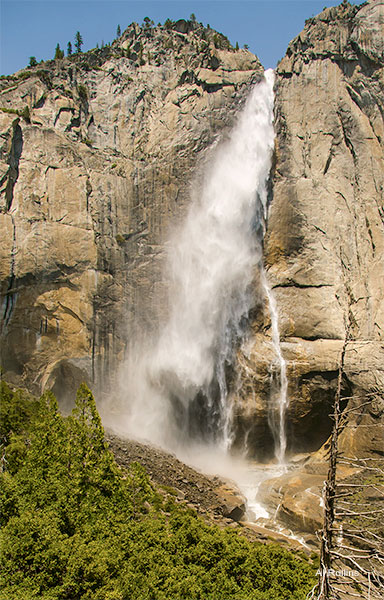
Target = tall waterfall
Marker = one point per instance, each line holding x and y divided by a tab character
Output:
178	388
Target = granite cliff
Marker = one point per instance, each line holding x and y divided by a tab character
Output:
97	152
324	246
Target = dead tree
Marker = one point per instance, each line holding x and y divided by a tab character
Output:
329	491
352	538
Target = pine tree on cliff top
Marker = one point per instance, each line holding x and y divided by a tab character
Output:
78	42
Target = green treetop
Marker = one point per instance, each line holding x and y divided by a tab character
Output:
78	42
147	23
58	52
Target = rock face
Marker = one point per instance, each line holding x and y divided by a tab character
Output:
324	248
97	152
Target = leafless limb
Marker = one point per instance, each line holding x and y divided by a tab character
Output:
346	504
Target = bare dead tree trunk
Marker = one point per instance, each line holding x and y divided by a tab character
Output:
329	491
352	540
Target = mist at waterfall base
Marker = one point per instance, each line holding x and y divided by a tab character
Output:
175	388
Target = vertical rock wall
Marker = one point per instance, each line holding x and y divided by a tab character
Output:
97	152
324	248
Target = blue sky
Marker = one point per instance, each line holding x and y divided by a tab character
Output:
33	28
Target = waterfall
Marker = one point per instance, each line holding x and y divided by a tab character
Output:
279	392
177	388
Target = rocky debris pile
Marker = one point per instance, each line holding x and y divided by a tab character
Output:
216	500
207	495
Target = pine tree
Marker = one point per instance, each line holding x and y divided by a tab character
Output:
69	49
78	42
32	61
118	31
237	45
192	18
58	52
147	23
95	465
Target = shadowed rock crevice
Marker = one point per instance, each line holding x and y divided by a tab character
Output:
10	294
13	159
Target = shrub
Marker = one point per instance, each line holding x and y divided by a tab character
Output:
82	91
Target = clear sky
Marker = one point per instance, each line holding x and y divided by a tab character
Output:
34	27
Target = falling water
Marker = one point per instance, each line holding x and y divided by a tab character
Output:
279	402
178	388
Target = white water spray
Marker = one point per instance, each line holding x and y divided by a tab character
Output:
279	401
178	389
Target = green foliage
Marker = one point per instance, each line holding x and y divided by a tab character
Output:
221	41
147	23
24	75
192	18
140	55
82	91
32	61
237	46
25	113
69	49
118	31
78	42
59	53
45	77
168	24
10	111
75	526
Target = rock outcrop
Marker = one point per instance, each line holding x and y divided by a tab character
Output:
97	152
324	247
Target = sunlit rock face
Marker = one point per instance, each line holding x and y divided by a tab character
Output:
324	246
97	152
